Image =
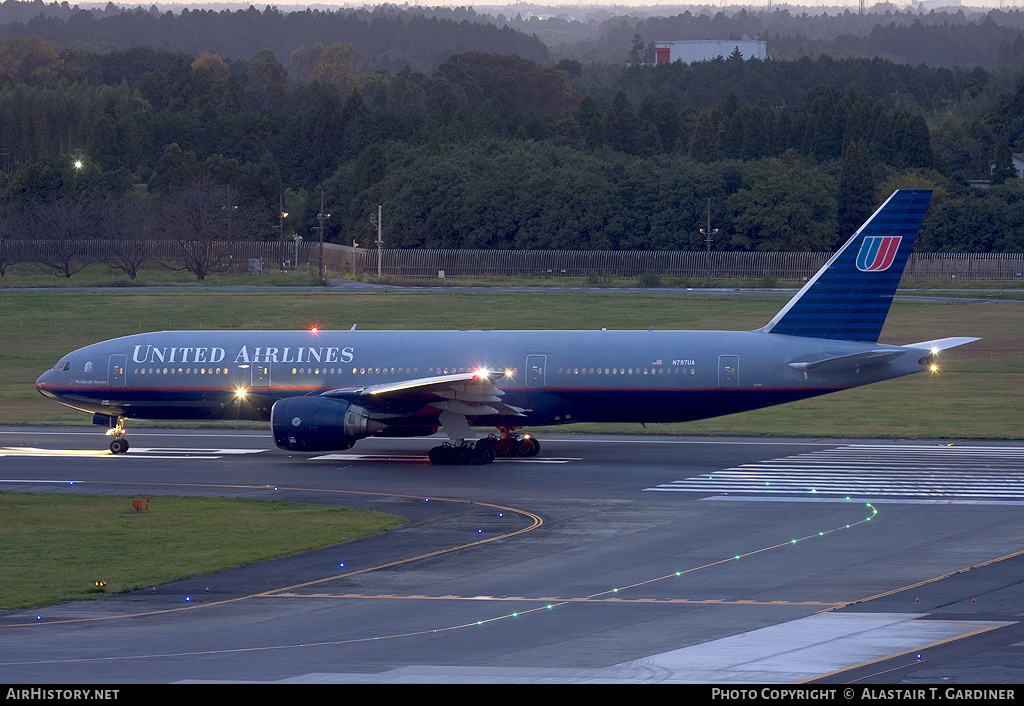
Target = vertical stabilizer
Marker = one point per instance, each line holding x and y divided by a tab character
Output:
849	297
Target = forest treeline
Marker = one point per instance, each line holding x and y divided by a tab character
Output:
494	150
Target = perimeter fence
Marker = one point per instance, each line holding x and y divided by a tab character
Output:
263	256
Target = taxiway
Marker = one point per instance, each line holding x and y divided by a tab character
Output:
605	559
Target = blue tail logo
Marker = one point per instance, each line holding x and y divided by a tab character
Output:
878	253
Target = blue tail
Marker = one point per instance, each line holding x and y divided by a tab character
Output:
850	296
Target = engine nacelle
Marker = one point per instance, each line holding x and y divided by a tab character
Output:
319	424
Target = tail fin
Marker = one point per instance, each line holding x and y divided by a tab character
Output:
850	296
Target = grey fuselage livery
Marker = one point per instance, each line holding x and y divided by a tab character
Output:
554	376
324	390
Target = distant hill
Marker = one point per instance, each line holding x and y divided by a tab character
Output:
384	38
390	37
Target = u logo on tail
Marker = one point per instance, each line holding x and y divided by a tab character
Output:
877	253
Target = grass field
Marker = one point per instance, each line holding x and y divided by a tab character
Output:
55	547
977	394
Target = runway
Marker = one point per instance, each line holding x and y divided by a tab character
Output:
606	559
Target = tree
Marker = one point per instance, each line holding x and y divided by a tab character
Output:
588	117
1002	162
174	169
266	75
124	225
65	224
204	218
704	143
787	206
856	189
214	64
12	218
621	126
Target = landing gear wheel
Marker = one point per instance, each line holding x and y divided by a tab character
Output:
528	446
481	455
119	446
511	444
440	455
463	455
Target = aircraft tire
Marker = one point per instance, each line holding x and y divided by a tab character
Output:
440	455
505	447
528	447
481	456
119	446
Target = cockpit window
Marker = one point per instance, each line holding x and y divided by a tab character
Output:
64	366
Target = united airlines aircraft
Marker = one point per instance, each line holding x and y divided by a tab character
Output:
325	390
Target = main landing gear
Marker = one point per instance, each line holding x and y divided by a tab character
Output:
119	444
484	451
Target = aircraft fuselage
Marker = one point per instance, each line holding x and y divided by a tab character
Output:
555	376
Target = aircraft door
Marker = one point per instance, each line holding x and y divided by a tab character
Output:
535	376
261	374
116	372
728	371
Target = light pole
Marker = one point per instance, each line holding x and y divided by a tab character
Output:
380	242
709	236
78	165
321	217
298	239
281	215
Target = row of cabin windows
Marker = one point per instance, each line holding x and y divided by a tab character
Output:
181	371
415	371
627	371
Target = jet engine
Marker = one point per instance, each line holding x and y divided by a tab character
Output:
319	424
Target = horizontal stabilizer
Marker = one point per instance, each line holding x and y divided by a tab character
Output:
942	344
839	363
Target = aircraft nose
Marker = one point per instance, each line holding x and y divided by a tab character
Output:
44	381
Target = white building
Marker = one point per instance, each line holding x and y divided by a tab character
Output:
708	49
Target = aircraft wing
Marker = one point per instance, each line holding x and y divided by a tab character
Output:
469	394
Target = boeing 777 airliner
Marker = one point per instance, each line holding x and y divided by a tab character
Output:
325	390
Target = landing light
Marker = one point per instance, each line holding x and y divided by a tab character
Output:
240	393
934	368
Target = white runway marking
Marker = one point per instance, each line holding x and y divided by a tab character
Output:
786	653
193	454
424	459
870	471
